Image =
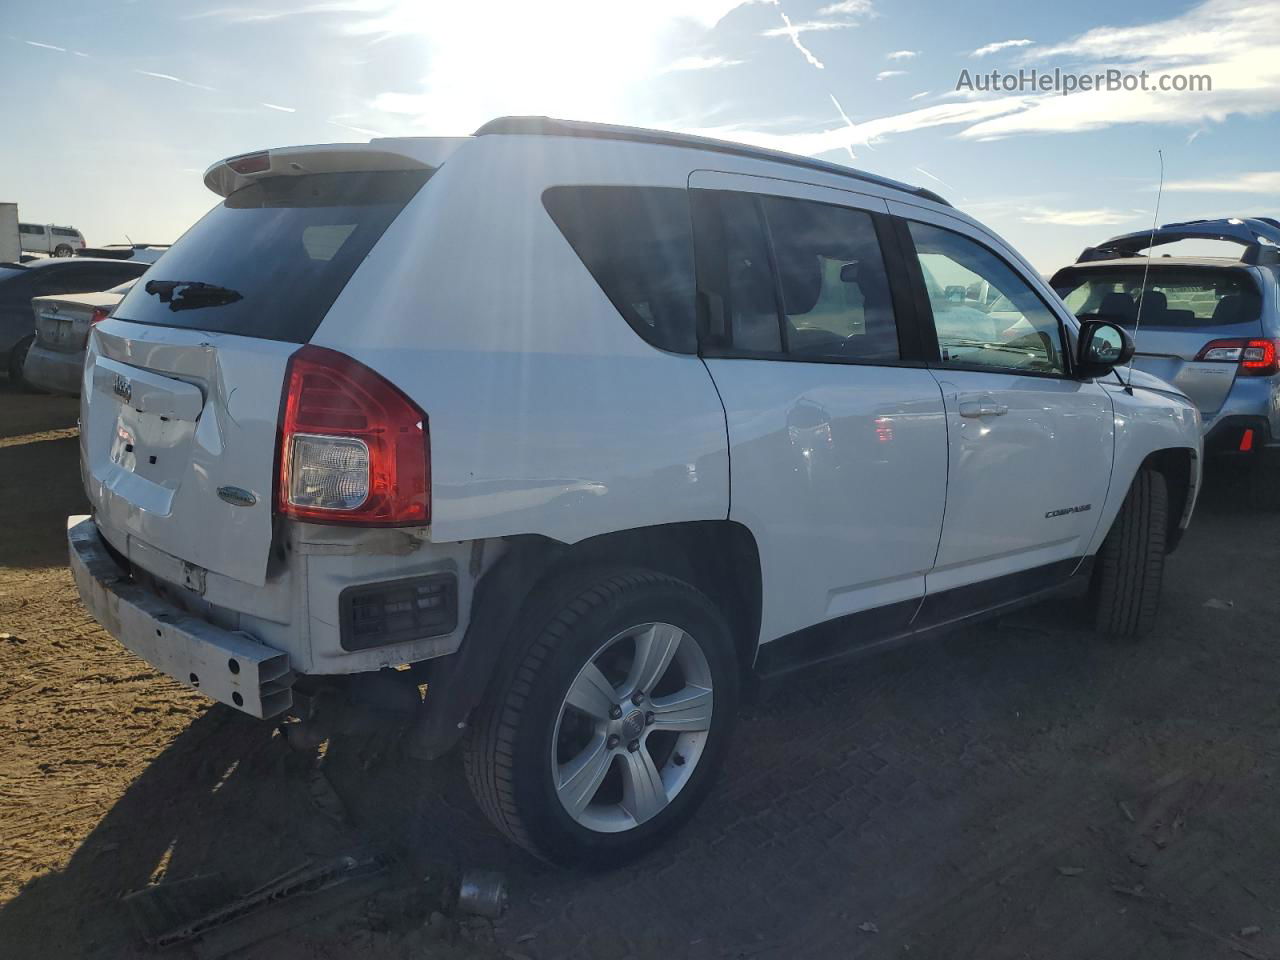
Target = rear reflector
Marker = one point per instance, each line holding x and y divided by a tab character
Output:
99	314
1246	440
1256	358
251	163
353	448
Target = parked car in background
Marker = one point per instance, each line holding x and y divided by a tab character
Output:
10	239
47	238
142	252
20	283
55	361
473	407
1209	325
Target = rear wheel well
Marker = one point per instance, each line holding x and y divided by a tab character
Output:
718	557
1176	465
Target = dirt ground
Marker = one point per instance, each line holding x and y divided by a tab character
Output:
1021	790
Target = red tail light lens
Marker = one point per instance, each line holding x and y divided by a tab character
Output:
1257	358
250	163
353	448
99	314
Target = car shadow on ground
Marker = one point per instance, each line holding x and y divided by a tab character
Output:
228	795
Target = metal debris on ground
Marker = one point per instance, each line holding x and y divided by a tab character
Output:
1215	604
483	893
167	901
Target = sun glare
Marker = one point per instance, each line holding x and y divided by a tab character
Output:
583	59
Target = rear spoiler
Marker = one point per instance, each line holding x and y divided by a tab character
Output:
388	153
1260	237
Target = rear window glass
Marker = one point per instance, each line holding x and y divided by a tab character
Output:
637	242
270	260
1174	298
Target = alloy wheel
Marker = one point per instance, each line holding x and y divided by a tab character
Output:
632	727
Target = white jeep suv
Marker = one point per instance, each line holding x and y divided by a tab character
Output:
581	428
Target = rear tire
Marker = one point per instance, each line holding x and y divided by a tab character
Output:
1264	485
559	756
17	357
62	250
1129	569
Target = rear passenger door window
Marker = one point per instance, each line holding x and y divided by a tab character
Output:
637	243
793	279
832	282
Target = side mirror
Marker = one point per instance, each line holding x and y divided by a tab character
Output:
1103	346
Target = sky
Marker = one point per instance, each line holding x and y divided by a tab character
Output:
114	108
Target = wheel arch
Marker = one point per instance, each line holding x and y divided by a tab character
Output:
1181	470
720	558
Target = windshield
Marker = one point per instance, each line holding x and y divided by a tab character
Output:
1174	298
284	247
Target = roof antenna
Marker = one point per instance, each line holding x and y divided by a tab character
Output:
1146	270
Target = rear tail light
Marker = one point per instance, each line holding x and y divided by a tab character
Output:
353	448
99	314
1257	358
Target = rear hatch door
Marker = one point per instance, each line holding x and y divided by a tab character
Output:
184	380
1184	307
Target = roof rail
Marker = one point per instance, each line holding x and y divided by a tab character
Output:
551	127
1260	237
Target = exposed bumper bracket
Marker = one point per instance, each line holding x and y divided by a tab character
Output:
231	667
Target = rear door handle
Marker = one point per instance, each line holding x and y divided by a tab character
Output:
985	406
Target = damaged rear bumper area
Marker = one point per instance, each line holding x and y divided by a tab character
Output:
230	667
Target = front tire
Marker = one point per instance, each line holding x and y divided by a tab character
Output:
606	730
1129	570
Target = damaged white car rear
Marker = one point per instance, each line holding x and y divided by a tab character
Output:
468	413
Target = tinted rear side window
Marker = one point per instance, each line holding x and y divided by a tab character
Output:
284	248
1174	298
637	243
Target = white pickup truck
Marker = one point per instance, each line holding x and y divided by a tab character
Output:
50	239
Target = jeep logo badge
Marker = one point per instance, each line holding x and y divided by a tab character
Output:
237	497
122	387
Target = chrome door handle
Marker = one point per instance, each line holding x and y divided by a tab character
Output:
986	407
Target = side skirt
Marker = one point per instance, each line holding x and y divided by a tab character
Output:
882	628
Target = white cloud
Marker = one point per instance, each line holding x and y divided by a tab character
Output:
1226	39
847	122
699	63
1263	181
172	79
1101	217
808	26
44	46
902	54
852	8
794	34
886	74
999	45
276	106
921	95
934	177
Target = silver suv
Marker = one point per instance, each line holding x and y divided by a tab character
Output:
1210	326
